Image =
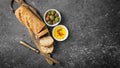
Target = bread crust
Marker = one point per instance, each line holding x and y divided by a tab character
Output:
24	15
43	32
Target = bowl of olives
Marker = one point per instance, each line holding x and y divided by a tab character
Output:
52	17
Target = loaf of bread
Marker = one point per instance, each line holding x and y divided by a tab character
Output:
39	33
28	18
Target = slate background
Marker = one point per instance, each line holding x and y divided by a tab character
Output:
93	42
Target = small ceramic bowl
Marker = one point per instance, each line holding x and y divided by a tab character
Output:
52	17
60	32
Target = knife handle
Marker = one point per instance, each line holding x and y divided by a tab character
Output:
30	47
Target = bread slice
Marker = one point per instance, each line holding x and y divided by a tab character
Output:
45	31
47	49
24	15
46	41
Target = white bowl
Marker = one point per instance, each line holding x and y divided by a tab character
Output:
65	35
57	13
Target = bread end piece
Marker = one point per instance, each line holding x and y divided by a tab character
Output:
46	50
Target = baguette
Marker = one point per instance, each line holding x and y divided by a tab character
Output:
30	19
27	18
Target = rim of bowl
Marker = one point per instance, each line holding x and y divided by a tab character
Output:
64	37
58	14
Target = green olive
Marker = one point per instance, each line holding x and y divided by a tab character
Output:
57	19
49	22
54	22
48	13
56	14
52	12
52	17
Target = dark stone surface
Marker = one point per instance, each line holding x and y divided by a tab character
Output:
93	42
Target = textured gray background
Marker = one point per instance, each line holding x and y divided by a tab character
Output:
93	42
